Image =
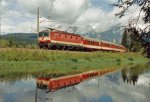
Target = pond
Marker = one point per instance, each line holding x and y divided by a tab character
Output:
131	84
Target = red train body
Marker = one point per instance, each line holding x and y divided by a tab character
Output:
53	84
54	39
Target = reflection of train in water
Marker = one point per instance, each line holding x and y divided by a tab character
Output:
53	84
55	39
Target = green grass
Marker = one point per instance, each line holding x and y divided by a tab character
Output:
14	54
22	62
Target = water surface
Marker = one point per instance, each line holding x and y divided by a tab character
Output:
131	84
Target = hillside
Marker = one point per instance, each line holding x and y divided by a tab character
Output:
18	40
25	37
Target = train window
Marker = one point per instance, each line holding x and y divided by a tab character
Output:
66	36
46	33
59	35
71	37
40	34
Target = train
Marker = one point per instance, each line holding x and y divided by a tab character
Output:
53	84
61	40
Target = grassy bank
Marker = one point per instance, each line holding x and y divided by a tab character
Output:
57	63
14	54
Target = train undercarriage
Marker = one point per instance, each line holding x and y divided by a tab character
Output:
68	47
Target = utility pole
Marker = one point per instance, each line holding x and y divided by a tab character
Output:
38	16
0	26
0	20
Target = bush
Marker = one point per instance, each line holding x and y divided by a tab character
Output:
118	60
74	60
130	59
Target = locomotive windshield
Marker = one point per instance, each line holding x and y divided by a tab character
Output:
40	34
43	33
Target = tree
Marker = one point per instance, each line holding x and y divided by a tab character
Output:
144	6
125	39
132	39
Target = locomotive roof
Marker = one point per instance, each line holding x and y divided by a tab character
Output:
67	33
64	32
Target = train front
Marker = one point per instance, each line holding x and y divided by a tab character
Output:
44	38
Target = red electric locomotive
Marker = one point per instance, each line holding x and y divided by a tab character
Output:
55	39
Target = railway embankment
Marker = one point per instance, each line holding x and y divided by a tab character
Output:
55	63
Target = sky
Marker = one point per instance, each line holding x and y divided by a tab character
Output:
85	15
